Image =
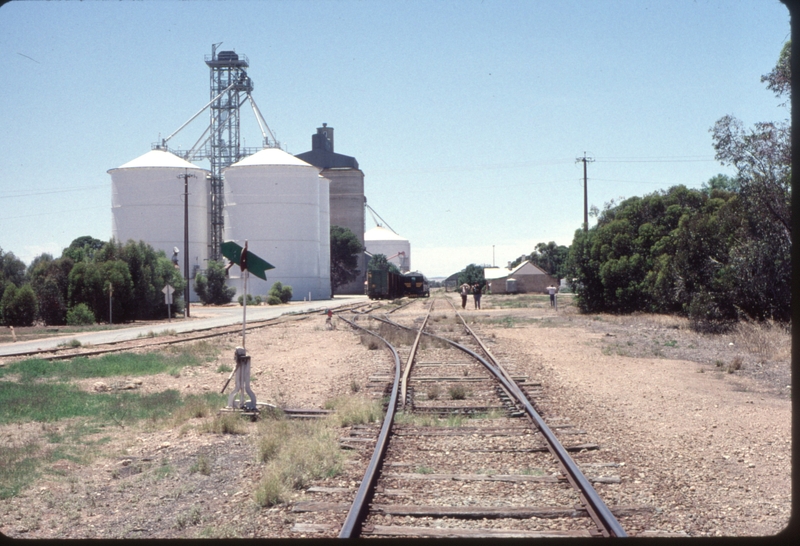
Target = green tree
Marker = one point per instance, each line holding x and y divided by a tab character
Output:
12	270
150	272
83	248
379	261
762	157
18	306
472	274
779	80
86	286
550	257
721	182
211	287
117	280
345	251
50	281
627	261
136	272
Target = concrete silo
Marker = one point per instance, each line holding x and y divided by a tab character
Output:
147	204
346	194
380	240
325	236
275	201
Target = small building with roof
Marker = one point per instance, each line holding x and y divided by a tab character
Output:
526	278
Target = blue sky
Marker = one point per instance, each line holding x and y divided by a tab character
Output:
466	117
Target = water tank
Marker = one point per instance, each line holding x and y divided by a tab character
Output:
147	205
511	286
380	240
278	203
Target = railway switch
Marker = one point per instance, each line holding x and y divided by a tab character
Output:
242	383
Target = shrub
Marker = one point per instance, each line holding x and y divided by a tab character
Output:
211	288
281	291
273	300
250	300
457	392
80	315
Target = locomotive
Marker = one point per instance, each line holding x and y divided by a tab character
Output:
387	285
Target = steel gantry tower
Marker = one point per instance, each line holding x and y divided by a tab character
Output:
220	142
230	85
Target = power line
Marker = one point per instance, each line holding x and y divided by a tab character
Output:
49	192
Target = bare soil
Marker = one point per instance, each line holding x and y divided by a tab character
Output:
705	445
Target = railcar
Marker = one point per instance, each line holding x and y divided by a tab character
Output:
383	285
416	285
387	285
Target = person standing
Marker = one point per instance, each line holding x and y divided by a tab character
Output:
464	293
552	291
476	293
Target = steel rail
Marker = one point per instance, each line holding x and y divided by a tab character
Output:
357	513
410	363
597	509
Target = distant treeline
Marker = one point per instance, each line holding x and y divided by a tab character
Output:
92	280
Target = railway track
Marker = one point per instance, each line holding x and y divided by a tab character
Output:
462	452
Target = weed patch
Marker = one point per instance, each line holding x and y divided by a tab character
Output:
110	365
201	465
297	452
735	365
352	410
457	392
19	467
225	423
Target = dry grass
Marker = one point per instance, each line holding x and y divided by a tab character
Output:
736	364
296	452
768	340
457	392
225	423
370	342
398	337
355	410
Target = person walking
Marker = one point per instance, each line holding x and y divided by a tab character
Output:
464	293
476	293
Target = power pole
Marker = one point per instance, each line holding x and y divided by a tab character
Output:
186	176
585	193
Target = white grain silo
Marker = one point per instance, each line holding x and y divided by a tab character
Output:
325	236
276	202
147	204
397	249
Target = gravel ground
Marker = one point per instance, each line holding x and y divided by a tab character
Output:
707	450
